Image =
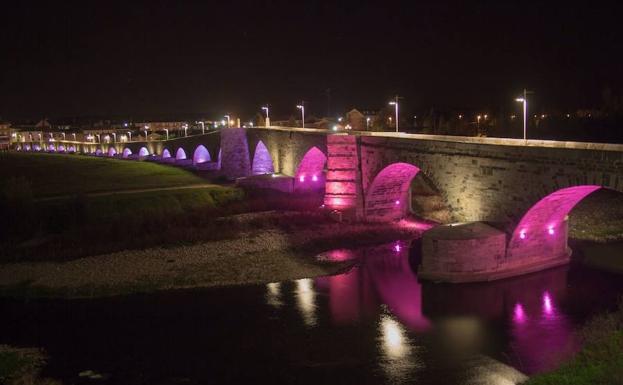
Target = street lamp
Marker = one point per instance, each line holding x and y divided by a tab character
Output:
166	130
368	123
203	127
478	124
267	124
228	120
395	104
524	101
130	135
302	108
185	129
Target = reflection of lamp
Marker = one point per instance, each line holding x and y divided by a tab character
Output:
306	299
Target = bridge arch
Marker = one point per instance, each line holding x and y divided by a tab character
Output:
180	154
126	152
201	155
26	147
310	171
543	229
166	153
111	151
388	196
71	149
143	151
98	151
262	161
51	147
61	148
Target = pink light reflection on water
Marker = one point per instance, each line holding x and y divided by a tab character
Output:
548	308
519	315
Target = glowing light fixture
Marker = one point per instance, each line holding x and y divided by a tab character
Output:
314	178
550	230
302	108
302	178
524	101
395	104
522	234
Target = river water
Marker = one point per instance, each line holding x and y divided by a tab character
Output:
374	324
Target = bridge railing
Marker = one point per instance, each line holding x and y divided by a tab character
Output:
465	139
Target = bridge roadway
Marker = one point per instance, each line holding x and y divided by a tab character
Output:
526	187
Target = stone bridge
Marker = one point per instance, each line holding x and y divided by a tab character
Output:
524	188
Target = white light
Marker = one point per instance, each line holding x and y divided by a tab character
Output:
335	128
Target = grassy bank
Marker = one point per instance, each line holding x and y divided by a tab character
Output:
55	174
601	359
21	366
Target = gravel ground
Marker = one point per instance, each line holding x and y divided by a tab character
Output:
254	257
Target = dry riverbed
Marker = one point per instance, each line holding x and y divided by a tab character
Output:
254	256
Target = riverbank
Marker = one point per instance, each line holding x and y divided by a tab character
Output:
600	360
281	248
22	366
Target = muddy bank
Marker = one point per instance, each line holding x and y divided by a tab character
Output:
255	256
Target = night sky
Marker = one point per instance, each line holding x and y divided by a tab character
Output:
162	58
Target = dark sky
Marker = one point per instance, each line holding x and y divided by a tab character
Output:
138	58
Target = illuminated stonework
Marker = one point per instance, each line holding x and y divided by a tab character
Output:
262	161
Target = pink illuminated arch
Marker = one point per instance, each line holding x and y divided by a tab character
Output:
180	154
542	231
98	151
387	197
51	148
310	173
61	148
166	154
126	152
27	147
143	152
71	149
36	147
112	151
201	155
262	161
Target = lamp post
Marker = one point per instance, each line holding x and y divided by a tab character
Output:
185	129
228	120
166	130
478	124
395	104
524	101
267	121
130	135
203	127
302	108
368	123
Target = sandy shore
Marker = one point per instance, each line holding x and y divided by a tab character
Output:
262	256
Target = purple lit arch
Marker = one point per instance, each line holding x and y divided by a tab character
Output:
262	161
98	152
126	152
166	154
61	148
388	197
112	151
201	155
310	173
71	149
51	148
180	154
542	231
143	152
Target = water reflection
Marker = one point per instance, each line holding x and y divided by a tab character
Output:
385	279
306	300
273	294
398	361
